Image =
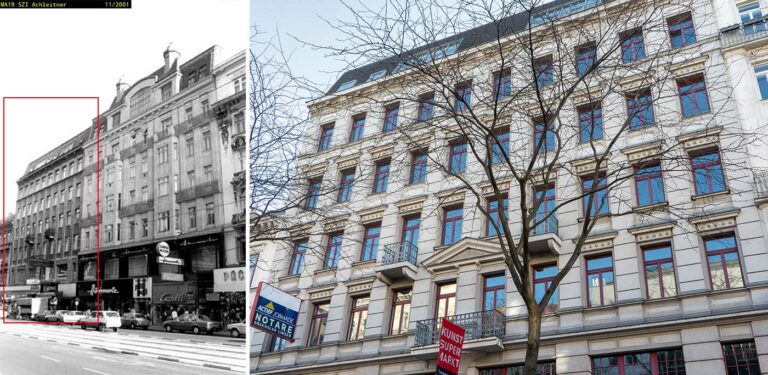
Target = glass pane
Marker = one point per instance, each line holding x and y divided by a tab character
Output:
716	272
447	289
598	263
652	278
396	315
657	253
734	270
495	281
608	288
720	243
668	277
593	282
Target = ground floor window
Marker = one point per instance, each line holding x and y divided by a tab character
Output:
663	362
544	368
741	358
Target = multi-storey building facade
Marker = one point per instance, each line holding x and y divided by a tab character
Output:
682	293
169	155
42	257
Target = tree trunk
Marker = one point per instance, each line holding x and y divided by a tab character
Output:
534	338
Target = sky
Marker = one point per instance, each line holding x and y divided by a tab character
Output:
84	52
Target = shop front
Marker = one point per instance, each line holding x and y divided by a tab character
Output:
114	295
169	297
229	291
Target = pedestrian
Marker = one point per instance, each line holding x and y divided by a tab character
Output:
174	315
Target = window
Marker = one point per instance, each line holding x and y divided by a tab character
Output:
239	122
358	318
110	203
313	194
452	218
131	230
371	242
463	98
381	177
162	154
144	193
632	45
600	283
649	185
500	146
358	125
162	186
206	141
493	225
317	325
164	221
326	133
502	84
239	84
663	362
411	232
333	251
585	58
724	263
345	187
543	72
640	109
659	271
741	358
708	174
761	74
401	311
494	293
539	131
210	214
446	300
192	212
144	227
390	117
681	31
590	122
596	195
545	196
191	179
190	146
141	101
693	95
426	104
542	368
543	276
458	160
208	173
297	257
418	167
752	18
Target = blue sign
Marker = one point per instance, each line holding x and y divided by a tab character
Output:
275	311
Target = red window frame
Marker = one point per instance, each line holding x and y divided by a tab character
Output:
317	316
647	180
295	254
707	166
345	187
590	114
585	52
418	159
400	305
631	39
599	272
381	176
658	263
746	357
463	99
722	253
365	255
502	83
544	71
547	281
653	362
426	106
678	23
390	117
458	149
333	247
447	297
541	131
453	220
357	312
326	134
694	79
313	193
493	289
597	209
358	123
635	105
412	228
492	210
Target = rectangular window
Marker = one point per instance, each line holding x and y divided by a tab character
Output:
600	282
502	84
162	186
543	276
144	227
590	122
418	168
333	251
208	173
463	98
164	221
297	257
681	32
371	242
210	214
493	224
596	195
390	117
500	146
542	368
411	226
586	56
663	362
401	311
452	219
761	74
659	271
313	193
640	109
741	358
317	325
192	212
724	263
358	318
346	184
545	197
446	300
326	133
206	141
190	146
649	185
752	18
548	133
458	160
708	174
693	95
426	104
494	293
358	126
543	71
632	45
381	177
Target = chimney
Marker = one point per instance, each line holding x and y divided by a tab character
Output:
170	55
120	88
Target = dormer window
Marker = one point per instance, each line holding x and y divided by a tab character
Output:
141	101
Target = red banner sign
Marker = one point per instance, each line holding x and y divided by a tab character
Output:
451	344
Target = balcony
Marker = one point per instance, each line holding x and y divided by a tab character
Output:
238	220
750	32
761	185
137	208
50	234
483	332
88	221
544	239
136	148
398	262
200	190
163	134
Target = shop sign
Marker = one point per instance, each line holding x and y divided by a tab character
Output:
102	291
229	279
142	287
212	297
33	281
449	352
163	249
275	311
173	293
172	261
167	276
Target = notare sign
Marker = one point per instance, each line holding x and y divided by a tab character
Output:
275	311
451	343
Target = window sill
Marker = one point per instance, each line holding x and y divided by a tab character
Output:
363	263
598	217
710	195
650	208
289	278
325	271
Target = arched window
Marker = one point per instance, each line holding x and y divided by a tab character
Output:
141	101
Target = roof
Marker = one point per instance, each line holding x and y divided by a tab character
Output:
467	40
51	156
159	74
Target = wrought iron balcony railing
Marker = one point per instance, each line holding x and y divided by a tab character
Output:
477	325
743	33
549	225
761	183
200	190
400	252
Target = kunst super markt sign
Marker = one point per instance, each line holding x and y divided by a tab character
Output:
275	311
451	343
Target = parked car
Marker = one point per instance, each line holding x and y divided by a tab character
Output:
106	320
57	316
192	322
236	329
72	316
42	315
135	320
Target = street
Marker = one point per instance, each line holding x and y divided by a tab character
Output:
35	349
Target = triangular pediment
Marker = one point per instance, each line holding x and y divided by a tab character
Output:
465	251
